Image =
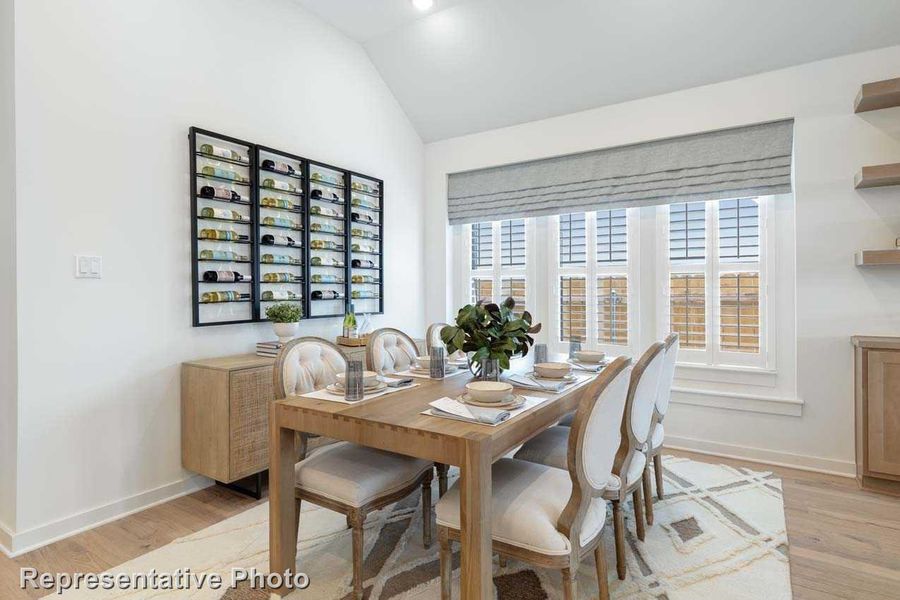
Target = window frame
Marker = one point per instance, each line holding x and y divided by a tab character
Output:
497	271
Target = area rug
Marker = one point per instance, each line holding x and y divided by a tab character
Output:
720	533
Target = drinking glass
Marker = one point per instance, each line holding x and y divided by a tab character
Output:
574	346
490	369
540	353
437	359
353	386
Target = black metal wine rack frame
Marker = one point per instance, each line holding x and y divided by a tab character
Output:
256	312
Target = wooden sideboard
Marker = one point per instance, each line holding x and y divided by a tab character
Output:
877	375
225	414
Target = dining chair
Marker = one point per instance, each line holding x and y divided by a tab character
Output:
390	350
547	516
657	436
346	478
433	337
548	447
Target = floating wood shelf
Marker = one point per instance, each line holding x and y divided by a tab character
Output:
878	176
878	95
875	258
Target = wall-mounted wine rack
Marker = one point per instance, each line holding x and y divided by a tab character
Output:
271	226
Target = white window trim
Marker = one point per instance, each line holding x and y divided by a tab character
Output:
497	271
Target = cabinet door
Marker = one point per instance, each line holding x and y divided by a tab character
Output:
883	414
251	392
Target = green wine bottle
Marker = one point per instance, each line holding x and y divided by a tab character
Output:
350	330
221	152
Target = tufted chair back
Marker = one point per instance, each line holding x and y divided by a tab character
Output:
390	350
307	364
433	336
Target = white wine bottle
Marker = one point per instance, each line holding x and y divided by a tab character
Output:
280	222
223	213
321	278
281	278
274	184
279	295
221	173
324	211
225	276
213	150
326	261
224	296
223	255
278	203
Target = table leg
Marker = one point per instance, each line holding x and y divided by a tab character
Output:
282	520
476	582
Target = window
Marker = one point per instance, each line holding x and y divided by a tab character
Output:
715	280
593	277
498	252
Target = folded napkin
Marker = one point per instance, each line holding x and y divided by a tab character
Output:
454	409
590	368
541	385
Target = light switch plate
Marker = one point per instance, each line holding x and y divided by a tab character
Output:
88	267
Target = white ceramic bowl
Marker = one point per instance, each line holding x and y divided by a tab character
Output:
552	370
488	391
423	362
589	356
370	378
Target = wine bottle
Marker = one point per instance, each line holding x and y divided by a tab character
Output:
362	218
274	184
326	295
221	152
362	248
224	296
325	261
281	167
221	173
223	235
225	255
223	213
363	279
281	278
362	294
325	228
332	179
281	222
224	276
350	323
277	240
279	295
320	278
323	195
278	203
361	263
363	203
323	211
279	259
220	193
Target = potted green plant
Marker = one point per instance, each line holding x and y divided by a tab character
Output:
285	319
490	331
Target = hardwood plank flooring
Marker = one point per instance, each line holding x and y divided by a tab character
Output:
844	542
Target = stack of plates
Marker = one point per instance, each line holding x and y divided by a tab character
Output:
510	402
338	388
420	371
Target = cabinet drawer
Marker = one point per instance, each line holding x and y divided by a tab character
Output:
250	394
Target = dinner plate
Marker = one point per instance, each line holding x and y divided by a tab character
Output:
569	377
512	401
338	390
589	366
422	371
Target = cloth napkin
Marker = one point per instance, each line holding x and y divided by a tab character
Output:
590	368
544	385
447	407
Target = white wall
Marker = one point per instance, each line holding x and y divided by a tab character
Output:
8	277
834	299
105	93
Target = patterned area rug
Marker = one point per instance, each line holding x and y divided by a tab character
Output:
719	533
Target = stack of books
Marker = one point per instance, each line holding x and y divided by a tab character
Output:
268	348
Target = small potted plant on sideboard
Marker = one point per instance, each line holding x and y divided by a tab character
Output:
285	319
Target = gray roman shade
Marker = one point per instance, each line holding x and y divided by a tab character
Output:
730	163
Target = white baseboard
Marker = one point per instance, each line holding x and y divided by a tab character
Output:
31	539
6	538
772	457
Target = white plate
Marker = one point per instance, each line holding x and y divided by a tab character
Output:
512	401
338	390
422	371
569	377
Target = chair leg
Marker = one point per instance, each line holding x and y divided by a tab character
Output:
297	515
619	529
442	478
637	498
602	576
569	586
657	467
648	495
426	511
446	563
357	519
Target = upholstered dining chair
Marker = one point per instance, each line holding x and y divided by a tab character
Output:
390	350
657	435
547	516
350	479
433	336
548	448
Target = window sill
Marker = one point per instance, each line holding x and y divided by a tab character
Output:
754	376
792	407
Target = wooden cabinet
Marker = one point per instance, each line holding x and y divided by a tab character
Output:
877	373
225	414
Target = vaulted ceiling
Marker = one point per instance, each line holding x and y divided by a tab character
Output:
472	65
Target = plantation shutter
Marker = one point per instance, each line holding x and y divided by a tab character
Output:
731	163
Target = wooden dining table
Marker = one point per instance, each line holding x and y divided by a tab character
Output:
395	423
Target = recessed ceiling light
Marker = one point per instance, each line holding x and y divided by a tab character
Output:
423	4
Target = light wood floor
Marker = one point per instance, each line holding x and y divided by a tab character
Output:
844	543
